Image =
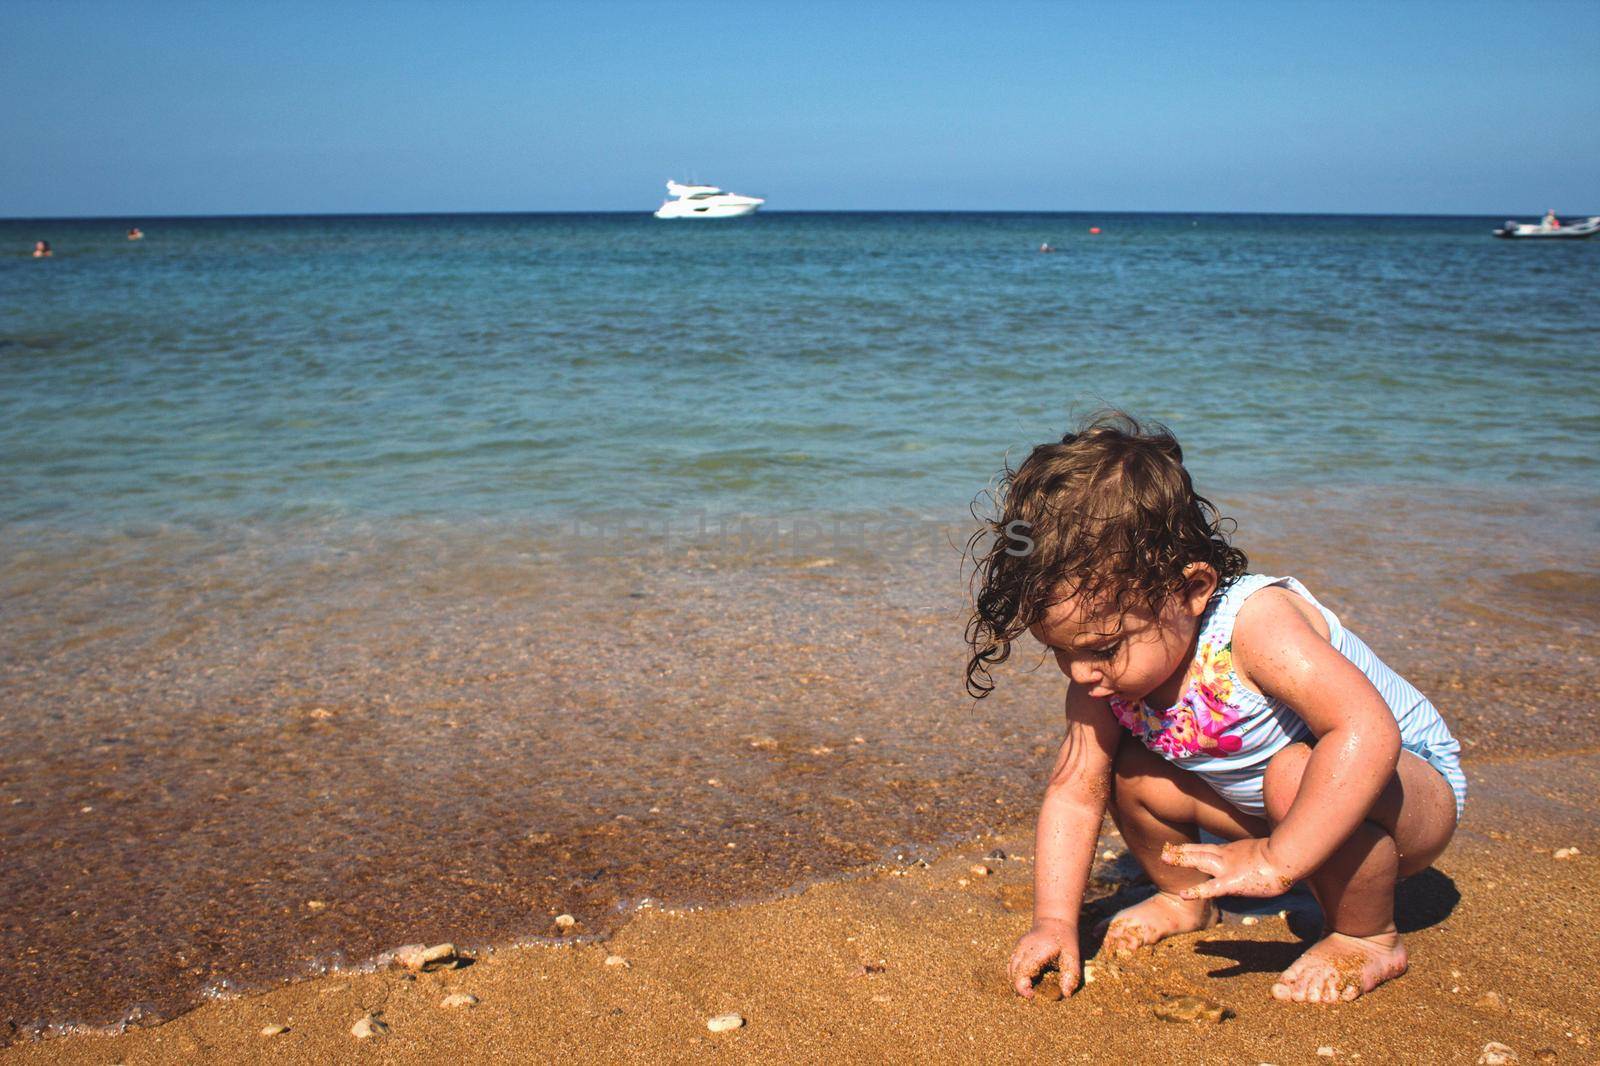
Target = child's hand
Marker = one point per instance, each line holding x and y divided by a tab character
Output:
1050	940
1242	868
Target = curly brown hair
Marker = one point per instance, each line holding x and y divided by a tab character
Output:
1108	514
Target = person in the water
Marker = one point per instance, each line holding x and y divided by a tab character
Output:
41	250
1201	697
135	233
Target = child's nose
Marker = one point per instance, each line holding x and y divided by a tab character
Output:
1083	672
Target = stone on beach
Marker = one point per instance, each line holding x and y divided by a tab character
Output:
1490	1001
274	1030
565	921
1566	853
368	1027
1190	1009
978	869
724	1022
1496	1054
459	999
419	958
617	960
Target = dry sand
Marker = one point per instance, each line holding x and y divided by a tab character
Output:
908	964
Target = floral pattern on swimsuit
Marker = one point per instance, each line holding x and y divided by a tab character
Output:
1197	723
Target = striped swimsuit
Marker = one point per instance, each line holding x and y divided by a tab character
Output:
1227	733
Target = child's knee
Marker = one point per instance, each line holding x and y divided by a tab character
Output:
1282	782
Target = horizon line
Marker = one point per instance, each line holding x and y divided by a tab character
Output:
781	211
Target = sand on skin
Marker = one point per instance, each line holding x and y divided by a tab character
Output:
1499	911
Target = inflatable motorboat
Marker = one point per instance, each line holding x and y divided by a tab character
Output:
1550	229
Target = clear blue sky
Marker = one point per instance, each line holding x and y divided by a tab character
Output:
149	108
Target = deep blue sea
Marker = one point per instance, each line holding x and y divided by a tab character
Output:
529	365
375	580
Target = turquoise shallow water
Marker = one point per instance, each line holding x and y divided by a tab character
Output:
454	573
532	365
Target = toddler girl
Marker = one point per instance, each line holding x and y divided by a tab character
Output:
1202	697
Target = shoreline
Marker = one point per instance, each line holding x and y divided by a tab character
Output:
855	964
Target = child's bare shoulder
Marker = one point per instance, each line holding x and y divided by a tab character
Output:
1276	630
1277	611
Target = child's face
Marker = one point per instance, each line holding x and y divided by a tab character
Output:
1131	659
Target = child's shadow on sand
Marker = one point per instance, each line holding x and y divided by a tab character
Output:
1422	900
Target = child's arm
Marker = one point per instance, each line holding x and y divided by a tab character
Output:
1069	823
1278	650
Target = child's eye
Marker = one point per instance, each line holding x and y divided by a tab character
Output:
1106	651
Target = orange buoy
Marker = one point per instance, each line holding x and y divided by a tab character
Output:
1094	229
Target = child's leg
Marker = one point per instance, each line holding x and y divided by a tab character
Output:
1407	828
1154	804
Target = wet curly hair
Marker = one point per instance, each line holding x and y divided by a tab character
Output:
1109	514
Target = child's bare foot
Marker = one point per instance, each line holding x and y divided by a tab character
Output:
1153	919
1340	967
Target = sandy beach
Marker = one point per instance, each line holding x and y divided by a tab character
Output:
906	964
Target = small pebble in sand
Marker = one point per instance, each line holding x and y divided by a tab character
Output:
1566	853
316	905
1190	1009
963	882
565	921
1249	919
996	856
618	960
978	869
1496	1054
274	1030
456	1000
321	714
1284	915
1325	1051
1108	855
723	1022
1490	1001
369	1027
419	958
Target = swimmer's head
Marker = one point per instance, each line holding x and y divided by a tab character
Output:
1100	532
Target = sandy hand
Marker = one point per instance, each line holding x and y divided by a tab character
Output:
1242	868
1049	941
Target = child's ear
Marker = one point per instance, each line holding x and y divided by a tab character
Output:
1199	582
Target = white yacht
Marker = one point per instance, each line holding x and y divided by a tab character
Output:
706	201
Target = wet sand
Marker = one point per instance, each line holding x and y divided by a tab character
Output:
906	964
238	760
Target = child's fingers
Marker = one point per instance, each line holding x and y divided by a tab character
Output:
1205	890
1025	966
1202	857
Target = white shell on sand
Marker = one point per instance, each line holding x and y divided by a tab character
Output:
723	1022
274	1030
459	999
616	960
368	1027
565	921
